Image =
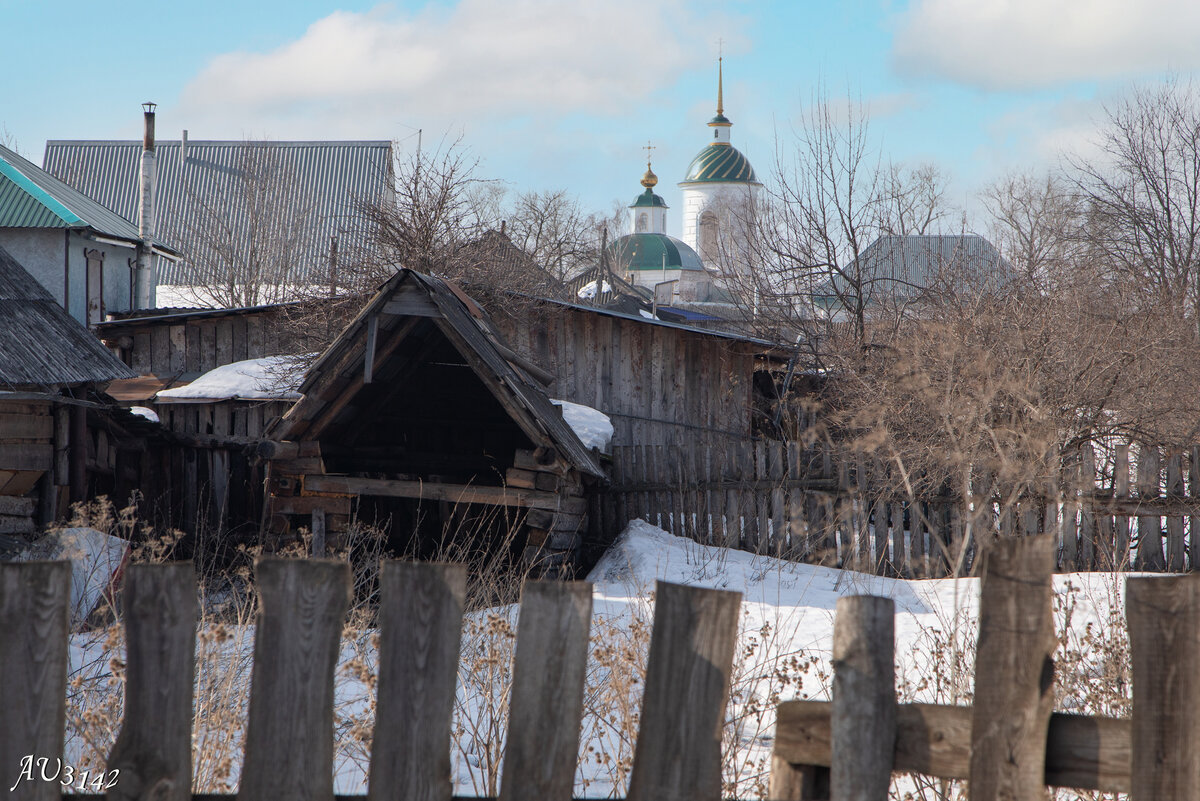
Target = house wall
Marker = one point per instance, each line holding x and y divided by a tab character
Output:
660	385
40	251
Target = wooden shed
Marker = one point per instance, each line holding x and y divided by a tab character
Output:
420	417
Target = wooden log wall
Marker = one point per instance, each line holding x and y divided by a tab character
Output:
1130	507
660	385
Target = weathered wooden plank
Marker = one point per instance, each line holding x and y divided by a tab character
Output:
26	427
26	456
1014	670
10	505
160	351
1088	753
178	348
797	782
1149	549
208	347
289	731
547	693
1176	546
1121	557
1163	615
678	752
863	717
153	751
1194	520
1087	518
35	602
304	505
420	622
455	493
317	529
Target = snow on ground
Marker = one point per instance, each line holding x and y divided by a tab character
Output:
783	652
593	427
267	378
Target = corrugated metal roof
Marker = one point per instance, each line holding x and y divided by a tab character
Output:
321	180
42	344
32	198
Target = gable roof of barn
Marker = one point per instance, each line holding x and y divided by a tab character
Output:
340	370
42	344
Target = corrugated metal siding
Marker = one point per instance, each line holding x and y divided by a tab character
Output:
20	209
42	344
327	178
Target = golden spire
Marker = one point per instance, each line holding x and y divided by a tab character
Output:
720	87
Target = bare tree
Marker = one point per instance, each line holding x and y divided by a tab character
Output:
1143	192
1037	221
247	239
831	197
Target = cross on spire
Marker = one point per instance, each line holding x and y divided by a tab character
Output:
649	147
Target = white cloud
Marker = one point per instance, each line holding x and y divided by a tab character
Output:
1021	44
479	60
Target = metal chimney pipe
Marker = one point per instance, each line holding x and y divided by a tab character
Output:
143	280
183	149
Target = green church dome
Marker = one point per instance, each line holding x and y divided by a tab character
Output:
720	162
652	252
648	198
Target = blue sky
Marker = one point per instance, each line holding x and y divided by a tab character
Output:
551	94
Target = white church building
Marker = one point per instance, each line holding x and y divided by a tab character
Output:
720	182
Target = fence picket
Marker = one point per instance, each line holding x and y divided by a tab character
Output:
779	545
1014	666
899	552
863	716
1163	615
1176	547
678	752
1087	518
1121	559
35	602
420	631
153	752
547	693
1149	547
289	729
1194	497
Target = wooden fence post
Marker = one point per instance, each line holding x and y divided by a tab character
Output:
1014	670
1163	615
420	632
547	693
35	600
153	752
678	753
289	730
863	718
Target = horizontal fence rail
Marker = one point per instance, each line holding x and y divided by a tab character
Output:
1126	506
1009	744
289	737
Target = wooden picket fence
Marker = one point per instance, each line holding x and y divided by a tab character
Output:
806	503
290	736
1009	744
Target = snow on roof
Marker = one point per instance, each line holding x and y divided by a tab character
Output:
144	411
594	428
588	290
268	378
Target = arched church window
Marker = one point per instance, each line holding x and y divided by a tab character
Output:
708	235
643	222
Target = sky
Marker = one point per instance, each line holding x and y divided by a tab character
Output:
550	95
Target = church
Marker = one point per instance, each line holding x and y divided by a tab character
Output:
720	186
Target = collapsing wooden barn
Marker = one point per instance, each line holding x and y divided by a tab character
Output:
420	417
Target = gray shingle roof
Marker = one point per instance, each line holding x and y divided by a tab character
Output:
42	345
325	179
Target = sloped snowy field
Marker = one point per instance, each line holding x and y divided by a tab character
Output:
787	622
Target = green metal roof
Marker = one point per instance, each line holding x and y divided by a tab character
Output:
32	198
720	119
648	198
652	252
722	163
